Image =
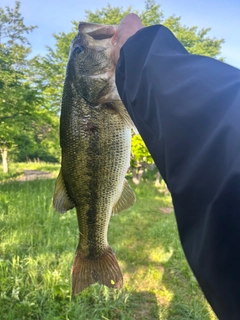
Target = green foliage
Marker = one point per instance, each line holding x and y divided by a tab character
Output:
38	246
152	13
38	143
113	15
49	71
16	34
139	152
24	117
194	40
17	98
107	15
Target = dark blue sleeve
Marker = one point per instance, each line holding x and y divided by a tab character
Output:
187	110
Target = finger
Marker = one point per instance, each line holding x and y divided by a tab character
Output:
131	21
115	38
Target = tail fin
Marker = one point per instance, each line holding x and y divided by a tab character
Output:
87	271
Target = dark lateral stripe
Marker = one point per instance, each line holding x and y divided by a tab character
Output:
94	187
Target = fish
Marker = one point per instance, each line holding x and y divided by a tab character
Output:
95	141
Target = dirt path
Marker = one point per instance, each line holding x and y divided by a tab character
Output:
35	174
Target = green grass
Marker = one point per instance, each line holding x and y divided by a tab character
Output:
37	247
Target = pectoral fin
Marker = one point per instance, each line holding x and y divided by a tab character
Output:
126	200
61	201
119	107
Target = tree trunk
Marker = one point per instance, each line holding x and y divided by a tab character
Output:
136	176
158	179
4	154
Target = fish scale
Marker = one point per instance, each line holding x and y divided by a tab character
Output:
95	136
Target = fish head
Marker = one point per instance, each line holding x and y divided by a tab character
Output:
90	68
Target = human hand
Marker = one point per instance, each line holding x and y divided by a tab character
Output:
129	25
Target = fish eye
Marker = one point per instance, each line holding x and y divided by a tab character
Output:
79	49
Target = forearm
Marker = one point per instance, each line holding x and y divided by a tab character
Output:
187	109
171	91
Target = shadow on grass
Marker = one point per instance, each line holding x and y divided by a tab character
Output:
169	289
144	305
188	301
146	241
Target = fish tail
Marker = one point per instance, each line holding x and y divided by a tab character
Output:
104	270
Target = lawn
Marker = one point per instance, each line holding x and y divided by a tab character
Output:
37	248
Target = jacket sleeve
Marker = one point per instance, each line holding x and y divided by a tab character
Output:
187	110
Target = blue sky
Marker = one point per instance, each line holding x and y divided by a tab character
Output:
53	16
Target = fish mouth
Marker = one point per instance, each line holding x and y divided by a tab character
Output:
97	31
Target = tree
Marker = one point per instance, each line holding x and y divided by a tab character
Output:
195	40
49	71
21	103
16	96
107	15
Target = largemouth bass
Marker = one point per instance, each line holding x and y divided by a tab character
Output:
95	135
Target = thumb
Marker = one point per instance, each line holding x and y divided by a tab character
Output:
128	26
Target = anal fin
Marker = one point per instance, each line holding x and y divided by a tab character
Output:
126	199
104	270
61	201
